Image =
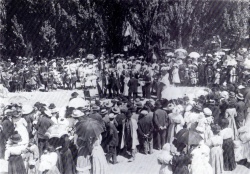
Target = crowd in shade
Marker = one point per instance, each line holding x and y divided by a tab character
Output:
207	134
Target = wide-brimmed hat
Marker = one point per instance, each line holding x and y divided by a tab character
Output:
95	108
112	115
240	96
16	138
139	105
144	112
52	106
241	87
232	94
77	113
115	110
48	113
74	94
103	111
27	109
207	112
108	104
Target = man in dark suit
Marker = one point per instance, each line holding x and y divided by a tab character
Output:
161	121
133	87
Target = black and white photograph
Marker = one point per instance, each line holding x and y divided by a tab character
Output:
124	87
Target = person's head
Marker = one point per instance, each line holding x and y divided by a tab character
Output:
128	114
215	129
224	123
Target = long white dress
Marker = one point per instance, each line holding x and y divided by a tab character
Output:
230	115
20	127
126	80
216	154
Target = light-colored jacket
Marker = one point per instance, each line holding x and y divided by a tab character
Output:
134	128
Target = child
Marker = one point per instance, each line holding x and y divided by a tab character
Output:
193	77
165	159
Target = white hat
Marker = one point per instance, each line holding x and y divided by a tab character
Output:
27	109
77	113
144	112
241	87
112	115
48	113
207	111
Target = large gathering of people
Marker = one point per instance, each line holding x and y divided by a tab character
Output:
208	134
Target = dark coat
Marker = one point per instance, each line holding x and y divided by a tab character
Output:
145	127
133	85
43	125
180	164
241	111
160	118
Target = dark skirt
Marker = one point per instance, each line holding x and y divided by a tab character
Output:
16	165
228	155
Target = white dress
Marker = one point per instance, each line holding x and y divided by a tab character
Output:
126	80
20	127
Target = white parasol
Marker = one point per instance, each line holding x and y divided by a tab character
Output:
194	55
91	56
180	50
78	102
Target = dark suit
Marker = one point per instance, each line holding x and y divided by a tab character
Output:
133	87
160	120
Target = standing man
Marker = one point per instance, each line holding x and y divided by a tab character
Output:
133	87
161	122
129	135
145	132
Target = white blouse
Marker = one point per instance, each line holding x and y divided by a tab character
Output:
226	133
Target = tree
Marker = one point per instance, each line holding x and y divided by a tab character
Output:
48	41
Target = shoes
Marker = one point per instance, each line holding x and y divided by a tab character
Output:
115	162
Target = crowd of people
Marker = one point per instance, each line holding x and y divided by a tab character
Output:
208	134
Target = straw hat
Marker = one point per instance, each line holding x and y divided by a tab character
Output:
112	115
240	96
48	113
207	112
144	112
77	113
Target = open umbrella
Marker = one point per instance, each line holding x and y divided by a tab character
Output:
89	128
78	102
18	99
56	131
194	55
181	50
91	56
188	137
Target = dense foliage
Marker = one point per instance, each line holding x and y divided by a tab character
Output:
51	28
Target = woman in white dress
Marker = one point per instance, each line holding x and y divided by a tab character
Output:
216	152
126	80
